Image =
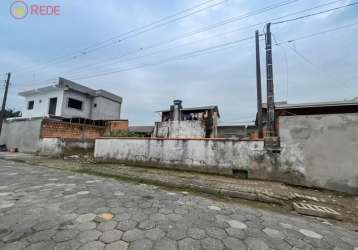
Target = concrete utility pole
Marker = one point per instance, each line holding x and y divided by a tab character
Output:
258	86
2	114
271	131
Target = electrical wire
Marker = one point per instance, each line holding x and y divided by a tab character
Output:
157	22
319	33
286	62
174	58
85	50
305	59
224	22
225	44
199	52
173	48
295	13
315	14
136	51
91	50
301	55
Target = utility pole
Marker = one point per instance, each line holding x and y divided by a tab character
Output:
258	86
270	88
2	114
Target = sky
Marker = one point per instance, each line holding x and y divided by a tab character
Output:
85	43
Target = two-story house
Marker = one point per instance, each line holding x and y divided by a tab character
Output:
68	99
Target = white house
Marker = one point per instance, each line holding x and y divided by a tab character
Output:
71	100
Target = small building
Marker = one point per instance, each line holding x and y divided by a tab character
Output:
314	108
63	115
194	122
68	99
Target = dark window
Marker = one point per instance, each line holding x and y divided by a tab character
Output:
95	105
52	106
241	173
75	104
30	105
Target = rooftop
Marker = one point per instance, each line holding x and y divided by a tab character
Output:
199	109
284	105
67	84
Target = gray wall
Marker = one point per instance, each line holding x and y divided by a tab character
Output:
23	134
236	131
106	109
323	148
215	156
71	112
180	129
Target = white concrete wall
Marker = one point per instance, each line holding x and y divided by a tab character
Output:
51	146
218	156
316	150
58	147
41	104
322	148
181	129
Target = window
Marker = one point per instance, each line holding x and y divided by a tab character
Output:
75	104
95	105
30	105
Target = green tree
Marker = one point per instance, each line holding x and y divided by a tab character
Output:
12	113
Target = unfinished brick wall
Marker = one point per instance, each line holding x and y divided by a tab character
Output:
118	125
67	130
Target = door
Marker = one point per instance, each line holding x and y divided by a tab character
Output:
52	106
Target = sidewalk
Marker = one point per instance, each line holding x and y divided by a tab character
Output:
320	203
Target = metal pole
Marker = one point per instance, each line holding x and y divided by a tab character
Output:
2	113
258	86
270	88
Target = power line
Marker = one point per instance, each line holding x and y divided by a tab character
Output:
286	62
185	35
91	50
315	7
86	50
85	68
319	33
225	44
224	22
174	58
281	16
315	14
301	55
196	32
304	58
158	21
201	52
316	67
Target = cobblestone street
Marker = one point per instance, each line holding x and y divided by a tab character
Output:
42	208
